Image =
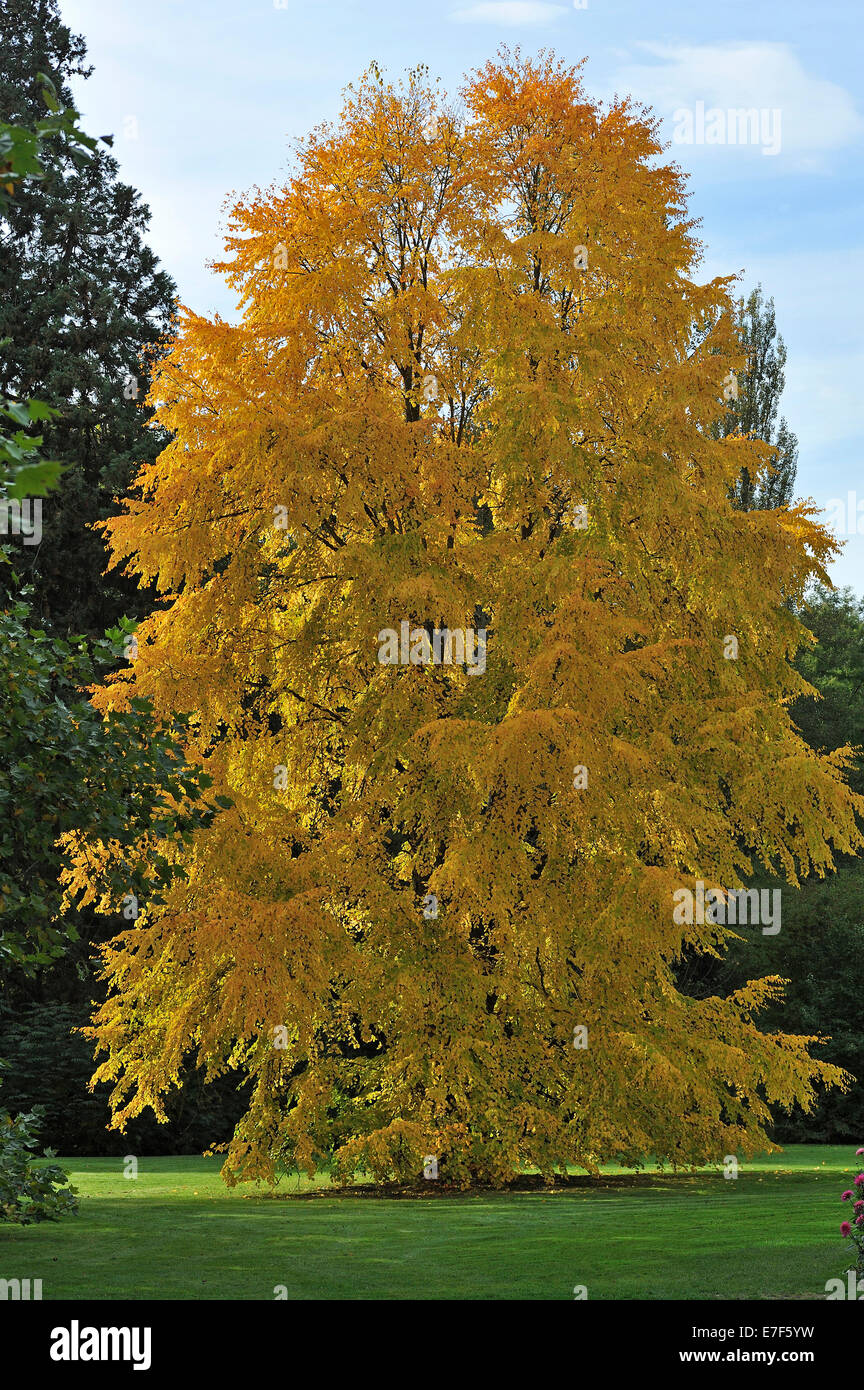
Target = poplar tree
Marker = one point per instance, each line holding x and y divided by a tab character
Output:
752	410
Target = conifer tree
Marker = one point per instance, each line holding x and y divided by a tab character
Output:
82	297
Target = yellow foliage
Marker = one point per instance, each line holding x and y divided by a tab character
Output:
425	386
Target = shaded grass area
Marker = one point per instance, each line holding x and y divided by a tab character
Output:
176	1232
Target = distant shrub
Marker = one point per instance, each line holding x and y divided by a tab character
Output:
30	1191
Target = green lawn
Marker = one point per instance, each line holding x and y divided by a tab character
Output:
176	1232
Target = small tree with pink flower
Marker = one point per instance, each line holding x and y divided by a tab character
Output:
854	1228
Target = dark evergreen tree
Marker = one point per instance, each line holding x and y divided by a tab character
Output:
835	666
82	298
820	948
754	411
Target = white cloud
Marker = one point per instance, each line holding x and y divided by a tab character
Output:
509	12
817	115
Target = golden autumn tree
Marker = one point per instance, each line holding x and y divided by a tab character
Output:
488	664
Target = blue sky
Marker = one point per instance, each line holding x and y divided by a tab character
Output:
204	97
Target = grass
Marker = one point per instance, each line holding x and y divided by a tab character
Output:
176	1232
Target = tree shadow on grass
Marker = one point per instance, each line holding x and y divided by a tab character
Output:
430	1190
